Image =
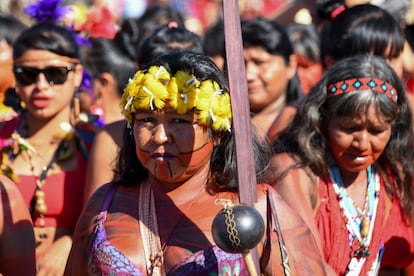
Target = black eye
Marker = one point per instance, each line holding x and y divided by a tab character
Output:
181	121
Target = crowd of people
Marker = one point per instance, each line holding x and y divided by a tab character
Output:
118	149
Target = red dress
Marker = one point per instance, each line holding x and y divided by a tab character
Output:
390	229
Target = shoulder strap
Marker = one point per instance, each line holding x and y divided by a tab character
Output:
148	227
108	197
271	209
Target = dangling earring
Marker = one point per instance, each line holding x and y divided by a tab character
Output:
76	106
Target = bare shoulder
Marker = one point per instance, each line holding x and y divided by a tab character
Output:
103	156
97	198
288	175
113	131
110	135
284	161
268	195
7	185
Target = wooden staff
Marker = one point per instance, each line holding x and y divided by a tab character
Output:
241	115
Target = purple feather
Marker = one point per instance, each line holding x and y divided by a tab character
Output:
86	83
49	11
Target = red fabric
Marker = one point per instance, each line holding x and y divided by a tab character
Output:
63	191
63	195
399	239
7	128
396	235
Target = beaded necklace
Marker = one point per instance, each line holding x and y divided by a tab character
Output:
360	223
17	145
38	204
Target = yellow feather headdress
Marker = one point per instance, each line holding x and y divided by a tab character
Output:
156	88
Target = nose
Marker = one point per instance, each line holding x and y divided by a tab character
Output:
41	80
160	135
361	140
251	70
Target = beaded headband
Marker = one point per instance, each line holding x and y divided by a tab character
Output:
357	84
156	88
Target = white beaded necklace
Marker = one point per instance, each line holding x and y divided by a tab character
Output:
360	223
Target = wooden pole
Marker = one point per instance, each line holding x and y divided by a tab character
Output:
241	113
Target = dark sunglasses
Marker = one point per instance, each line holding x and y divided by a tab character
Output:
54	74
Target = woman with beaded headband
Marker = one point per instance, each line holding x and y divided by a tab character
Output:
346	166
176	170
41	150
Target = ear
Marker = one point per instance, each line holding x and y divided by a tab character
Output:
106	79
292	66
78	74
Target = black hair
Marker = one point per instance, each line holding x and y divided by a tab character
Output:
105	56
10	28
48	37
133	31
324	8
214	44
166	39
361	29
305	40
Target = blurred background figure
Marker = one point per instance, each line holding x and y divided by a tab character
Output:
168	38
10	29
305	40
271	72
214	44
110	69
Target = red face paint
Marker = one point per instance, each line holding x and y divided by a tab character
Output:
175	168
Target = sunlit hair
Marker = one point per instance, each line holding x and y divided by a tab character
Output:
156	88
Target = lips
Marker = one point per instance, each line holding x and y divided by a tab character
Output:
162	156
40	101
359	159
252	89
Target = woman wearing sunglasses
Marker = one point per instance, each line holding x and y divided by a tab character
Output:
41	150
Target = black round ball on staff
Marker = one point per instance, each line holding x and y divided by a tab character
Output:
238	228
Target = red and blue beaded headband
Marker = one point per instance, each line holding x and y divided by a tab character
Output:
353	85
